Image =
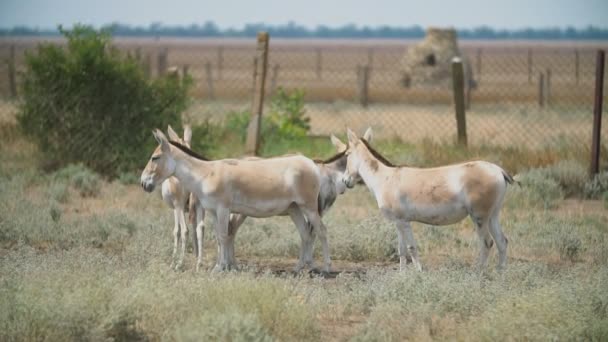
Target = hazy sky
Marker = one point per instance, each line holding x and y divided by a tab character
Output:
233	13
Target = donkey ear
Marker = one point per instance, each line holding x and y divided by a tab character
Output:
172	135
368	135
352	137
340	146
162	140
187	135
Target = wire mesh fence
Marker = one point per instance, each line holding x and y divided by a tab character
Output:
524	95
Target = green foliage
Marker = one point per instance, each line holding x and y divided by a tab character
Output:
287	116
81	178
536	190
88	103
571	176
597	187
570	248
59	191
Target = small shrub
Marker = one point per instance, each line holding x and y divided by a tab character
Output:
287	116
570	248
59	191
207	136
128	178
81	178
570	175
55	212
536	190
597	186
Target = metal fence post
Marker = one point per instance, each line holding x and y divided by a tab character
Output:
162	61
209	77
274	78
541	89
576	65
319	63
12	78
478	65
530	65
363	85
253	131
548	87
597	112
220	62
458	86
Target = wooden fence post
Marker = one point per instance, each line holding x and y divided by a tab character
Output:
370	57
597	112
530	65
458	86
162	61
147	66
12	77
220	62
541	89
275	76
363	85
209	77
253	131
319	63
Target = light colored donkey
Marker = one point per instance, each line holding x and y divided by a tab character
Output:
439	196
257	188
176	198
331	171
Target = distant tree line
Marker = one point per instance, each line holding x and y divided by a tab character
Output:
293	30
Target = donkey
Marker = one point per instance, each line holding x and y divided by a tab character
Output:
257	188
439	196
176	198
332	185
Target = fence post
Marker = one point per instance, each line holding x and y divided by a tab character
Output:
319	63
597	112
548	87
363	85
253	131
147	65
12	77
541	90
138	54
370	57
576	65
275	76
458	85
162	61
220	61
209	77
478	65
530	65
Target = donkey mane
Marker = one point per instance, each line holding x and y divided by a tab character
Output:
187	151
330	159
377	154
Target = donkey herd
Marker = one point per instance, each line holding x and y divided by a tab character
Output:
229	190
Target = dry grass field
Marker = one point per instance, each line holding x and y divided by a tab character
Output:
89	260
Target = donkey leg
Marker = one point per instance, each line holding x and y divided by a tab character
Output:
235	222
184	238
193	219
222	234
313	217
407	243
200	236
175	237
500	239
485	240
300	222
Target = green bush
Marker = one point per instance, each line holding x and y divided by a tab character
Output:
286	118
88	103
597	187
536	190
81	178
570	175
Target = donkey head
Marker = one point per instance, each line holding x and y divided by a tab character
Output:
353	157
160	166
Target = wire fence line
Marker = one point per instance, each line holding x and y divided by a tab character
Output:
528	95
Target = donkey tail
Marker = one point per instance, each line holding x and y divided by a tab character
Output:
509	179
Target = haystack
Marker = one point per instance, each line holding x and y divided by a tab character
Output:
428	63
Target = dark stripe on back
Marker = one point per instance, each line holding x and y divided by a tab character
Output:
187	151
331	159
377	155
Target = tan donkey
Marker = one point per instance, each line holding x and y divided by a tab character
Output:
176	198
438	196
256	188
